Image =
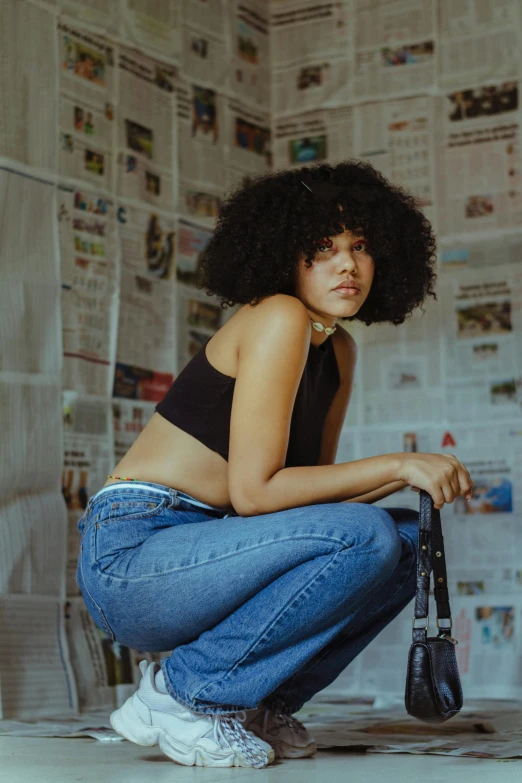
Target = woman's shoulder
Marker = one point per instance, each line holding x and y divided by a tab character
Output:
281	306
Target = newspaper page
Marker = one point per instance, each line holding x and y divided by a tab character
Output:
99	15
129	418
478	39
201	137
482	316
87	460
153	26
394	47
478	166
90	278
86	65
401	370
311	55
146	350
146	130
34	656
206	50
461	254
28	46
30	328
250	55
310	138
396	138
32	514
249	141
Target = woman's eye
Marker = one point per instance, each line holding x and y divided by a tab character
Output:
363	244
324	247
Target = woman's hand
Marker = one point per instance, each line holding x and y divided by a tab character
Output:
441	475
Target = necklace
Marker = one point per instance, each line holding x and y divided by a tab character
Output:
318	326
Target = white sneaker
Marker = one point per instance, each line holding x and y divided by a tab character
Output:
287	735
150	717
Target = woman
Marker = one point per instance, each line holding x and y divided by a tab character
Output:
227	534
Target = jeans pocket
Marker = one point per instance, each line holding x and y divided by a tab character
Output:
127	509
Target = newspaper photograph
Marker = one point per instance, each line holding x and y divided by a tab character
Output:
478	39
89	252
303	139
248	136
153	26
86	67
201	136
394	48
312	55
146	348
478	158
147	164
206	50
28	46
201	202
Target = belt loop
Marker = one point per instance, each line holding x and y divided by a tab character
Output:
174	501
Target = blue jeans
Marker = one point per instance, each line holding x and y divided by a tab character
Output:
269	608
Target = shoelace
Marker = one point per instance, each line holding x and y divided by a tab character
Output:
228	728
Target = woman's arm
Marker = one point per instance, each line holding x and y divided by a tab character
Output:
378	494
272	356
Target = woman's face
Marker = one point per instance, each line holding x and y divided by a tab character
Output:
343	258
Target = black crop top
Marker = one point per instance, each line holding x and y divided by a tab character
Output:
200	403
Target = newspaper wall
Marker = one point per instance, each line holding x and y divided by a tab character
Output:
122	126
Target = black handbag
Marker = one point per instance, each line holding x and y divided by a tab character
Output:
433	689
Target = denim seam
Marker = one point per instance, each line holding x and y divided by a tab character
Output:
102	614
229	554
293	600
92	521
143	515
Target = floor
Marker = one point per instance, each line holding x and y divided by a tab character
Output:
57	760
356	740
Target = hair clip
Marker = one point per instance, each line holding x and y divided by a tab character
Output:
326	191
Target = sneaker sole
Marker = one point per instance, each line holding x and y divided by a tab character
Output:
128	724
284	751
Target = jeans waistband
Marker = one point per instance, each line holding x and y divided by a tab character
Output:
158	489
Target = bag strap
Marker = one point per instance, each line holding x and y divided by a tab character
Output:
431	556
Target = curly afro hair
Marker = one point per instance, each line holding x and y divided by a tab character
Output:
271	221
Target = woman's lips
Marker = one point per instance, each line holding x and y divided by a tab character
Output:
347	291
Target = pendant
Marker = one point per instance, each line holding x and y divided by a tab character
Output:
318	326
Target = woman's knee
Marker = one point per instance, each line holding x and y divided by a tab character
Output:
383	536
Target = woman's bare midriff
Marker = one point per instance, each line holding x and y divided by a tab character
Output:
165	454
